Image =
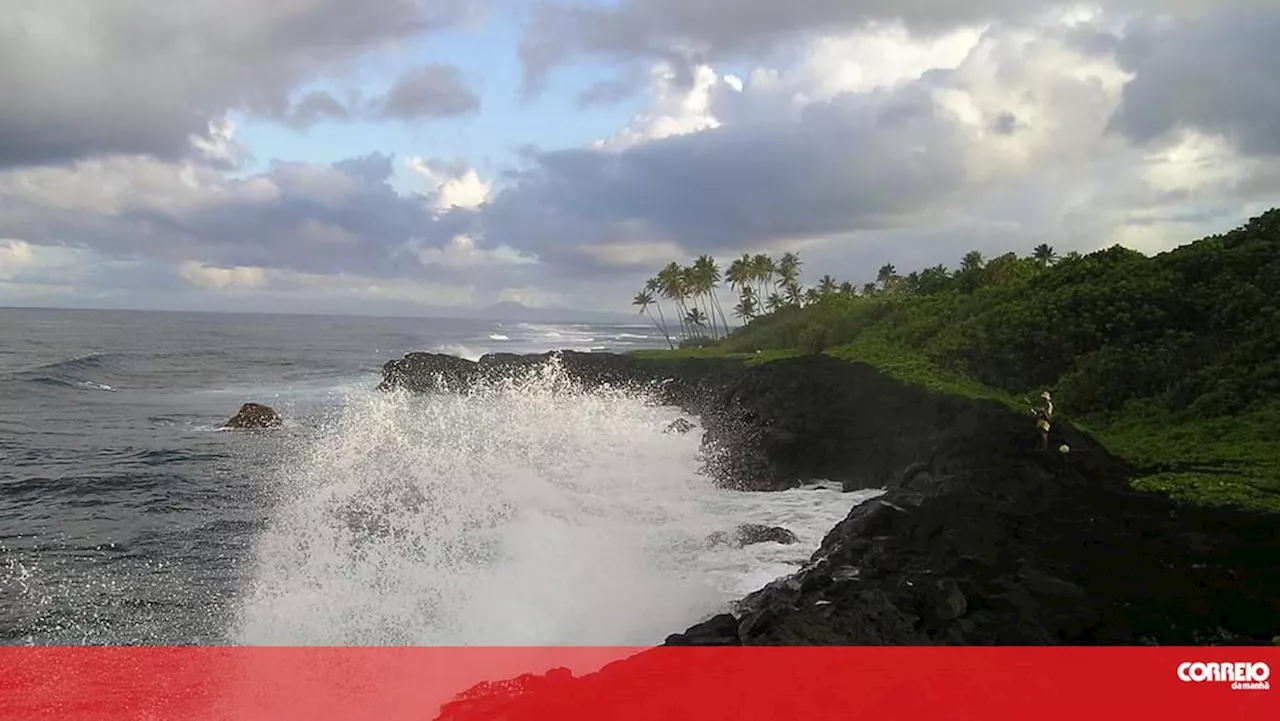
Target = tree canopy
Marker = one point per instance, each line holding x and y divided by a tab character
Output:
1194	330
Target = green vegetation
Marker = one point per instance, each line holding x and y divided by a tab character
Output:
1172	361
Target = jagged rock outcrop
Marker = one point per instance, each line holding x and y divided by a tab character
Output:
748	534
253	416
691	383
983	539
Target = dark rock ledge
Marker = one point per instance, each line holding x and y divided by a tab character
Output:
980	538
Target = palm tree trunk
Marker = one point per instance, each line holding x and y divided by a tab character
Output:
723	319
663	327
683	310
655	323
711	314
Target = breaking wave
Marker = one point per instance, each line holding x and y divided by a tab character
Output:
523	513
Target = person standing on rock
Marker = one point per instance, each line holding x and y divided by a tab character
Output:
1044	419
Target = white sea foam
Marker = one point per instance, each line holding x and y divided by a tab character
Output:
460	351
525	514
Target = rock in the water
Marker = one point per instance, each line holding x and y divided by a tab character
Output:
680	426
255	415
750	533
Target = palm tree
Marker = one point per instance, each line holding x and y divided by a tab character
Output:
740	272
887	275
699	276
652	287
1045	255
643	300
795	294
972	262
934	280
774	302
827	286
762	269
695	318
911	283
708	275
789	266
788	272
971	275
692	286
746	308
847	290
672	279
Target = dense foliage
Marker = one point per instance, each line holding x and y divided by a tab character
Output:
1194	331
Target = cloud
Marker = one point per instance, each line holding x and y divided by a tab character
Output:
198	273
434	91
14	255
313	218
675	110
864	143
854	137
1215	75
462	253
887	145
82	78
692	32
451	185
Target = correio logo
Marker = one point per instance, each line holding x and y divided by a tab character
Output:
1241	676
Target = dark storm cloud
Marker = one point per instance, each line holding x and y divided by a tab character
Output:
692	31
702	29
83	77
1216	74
842	166
429	91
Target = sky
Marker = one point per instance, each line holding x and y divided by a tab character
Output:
408	156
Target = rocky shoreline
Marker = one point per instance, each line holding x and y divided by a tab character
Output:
980	538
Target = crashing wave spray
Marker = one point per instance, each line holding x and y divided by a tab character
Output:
523	512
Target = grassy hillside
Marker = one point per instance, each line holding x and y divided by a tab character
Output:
1173	361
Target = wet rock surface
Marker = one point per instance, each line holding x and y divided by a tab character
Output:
751	533
254	415
680	426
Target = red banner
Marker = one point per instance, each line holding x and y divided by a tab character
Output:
707	684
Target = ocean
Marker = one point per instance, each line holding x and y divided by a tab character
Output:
518	516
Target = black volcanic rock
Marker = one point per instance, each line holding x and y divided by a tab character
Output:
748	534
719	630
679	426
428	372
254	416
983	539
